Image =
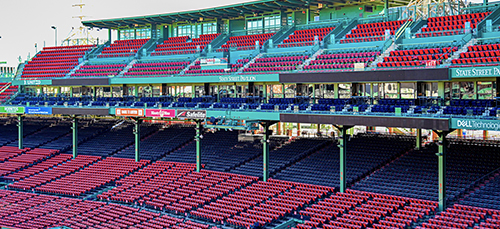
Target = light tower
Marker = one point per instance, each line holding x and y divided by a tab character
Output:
80	35
423	9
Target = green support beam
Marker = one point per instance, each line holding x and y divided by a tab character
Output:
198	138
442	144
265	148
386	8
418	144
20	130
137	134
265	153
342	140
74	127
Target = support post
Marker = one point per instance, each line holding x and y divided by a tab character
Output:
198	145
137	135
265	150
20	131
386	8
419	139
342	140
442	144
74	127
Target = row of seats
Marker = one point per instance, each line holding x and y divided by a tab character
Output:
245	42
305	37
123	48
184	45
43	211
54	62
450	25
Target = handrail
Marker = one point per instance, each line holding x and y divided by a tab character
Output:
402	29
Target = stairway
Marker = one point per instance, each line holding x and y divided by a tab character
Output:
76	68
250	62
189	66
386	53
129	66
456	55
311	58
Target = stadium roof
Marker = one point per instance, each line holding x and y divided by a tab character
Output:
231	11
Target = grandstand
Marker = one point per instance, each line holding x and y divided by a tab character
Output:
265	114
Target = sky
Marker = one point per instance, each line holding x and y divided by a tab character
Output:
24	23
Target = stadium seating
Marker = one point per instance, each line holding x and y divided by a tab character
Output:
162	142
305	37
484	54
421	57
338	60
450	25
162	68
357	209
281	157
184	45
280	62
420	179
55	62
92	177
43	211
221	151
13	163
56	172
363	157
99	70
7	90
122	48
461	216
245	42
372	31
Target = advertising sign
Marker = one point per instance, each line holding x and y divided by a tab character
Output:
11	110
191	114
129	112
160	113
39	110
474	124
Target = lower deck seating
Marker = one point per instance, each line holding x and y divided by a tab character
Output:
220	151
364	155
44	211
486	196
356	209
281	157
339	60
466	163
92	177
25	159
462	216
110	142
160	143
60	170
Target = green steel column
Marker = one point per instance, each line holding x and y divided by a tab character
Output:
20	128
442	169
137	134
336	91
265	148
283	90
419	139
198	145
343	150
386	8
75	136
